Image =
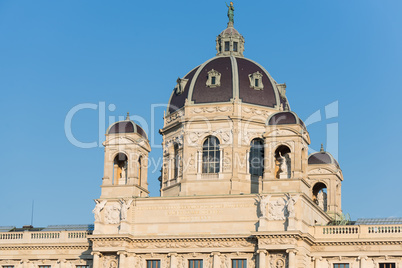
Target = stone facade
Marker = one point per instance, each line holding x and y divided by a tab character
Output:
238	189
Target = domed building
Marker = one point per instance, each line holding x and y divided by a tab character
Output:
238	188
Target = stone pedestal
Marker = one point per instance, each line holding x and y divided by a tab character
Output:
291	226
124	227
263	224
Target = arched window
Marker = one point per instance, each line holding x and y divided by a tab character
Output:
120	168
210	155
139	170
320	195
176	161
256	159
283	162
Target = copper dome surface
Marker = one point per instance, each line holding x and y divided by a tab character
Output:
126	126
234	83
322	158
284	118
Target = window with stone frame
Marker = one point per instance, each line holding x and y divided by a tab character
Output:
239	263
82	266
45	266
227	46
341	265
256	158
176	161
387	265
256	81
235	46
195	263
8	266
214	79
153	264
211	156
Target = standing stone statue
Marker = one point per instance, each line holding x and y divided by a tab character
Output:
125	205
322	200
290	206
283	165
230	12
98	208
124	170
263	205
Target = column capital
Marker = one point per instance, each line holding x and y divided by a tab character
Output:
95	253
262	251
122	252
170	254
292	250
215	253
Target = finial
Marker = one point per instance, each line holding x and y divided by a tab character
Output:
230	14
128	116
322	148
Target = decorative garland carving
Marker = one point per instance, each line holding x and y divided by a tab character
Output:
216	109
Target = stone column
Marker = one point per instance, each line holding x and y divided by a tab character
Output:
122	259
96	258
292	257
173	260
262	258
267	159
130	260
215	260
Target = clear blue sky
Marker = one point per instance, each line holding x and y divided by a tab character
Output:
55	55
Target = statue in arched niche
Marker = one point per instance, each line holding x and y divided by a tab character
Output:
124	170
322	200
284	165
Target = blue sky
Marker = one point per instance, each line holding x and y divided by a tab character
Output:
55	55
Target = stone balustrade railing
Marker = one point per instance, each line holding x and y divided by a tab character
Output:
43	237
357	231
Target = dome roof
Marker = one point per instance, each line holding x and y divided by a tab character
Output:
126	126
322	157
284	118
235	81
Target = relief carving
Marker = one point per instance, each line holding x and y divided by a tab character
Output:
112	214
221	109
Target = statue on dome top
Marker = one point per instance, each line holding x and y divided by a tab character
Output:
230	12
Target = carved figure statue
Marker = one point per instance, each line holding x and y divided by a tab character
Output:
263	205
125	206
290	206
98	208
230	12
322	200
124	170
283	165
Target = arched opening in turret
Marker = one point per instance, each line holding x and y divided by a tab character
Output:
211	155
283	163
176	161
139	170
320	195
120	169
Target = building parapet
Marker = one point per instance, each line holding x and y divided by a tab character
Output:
44	237
357	231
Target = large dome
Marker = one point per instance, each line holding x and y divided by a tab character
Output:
229	76
234	83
